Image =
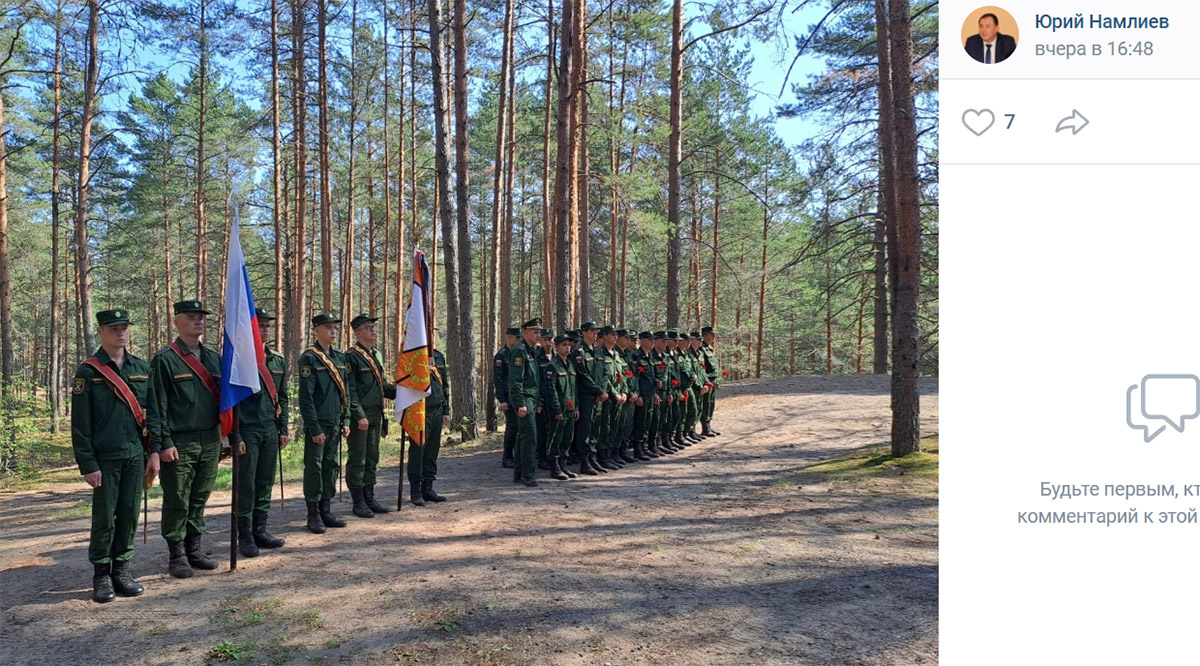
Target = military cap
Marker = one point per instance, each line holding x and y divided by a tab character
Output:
112	317
645	335
622	332
660	335
263	315
326	318
512	330
559	339
573	334
547	333
606	329
672	334
362	319
190	306
708	329
587	326
695	335
535	323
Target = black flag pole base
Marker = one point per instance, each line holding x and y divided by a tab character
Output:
400	482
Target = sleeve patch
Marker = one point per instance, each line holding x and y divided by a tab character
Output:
77	387
306	371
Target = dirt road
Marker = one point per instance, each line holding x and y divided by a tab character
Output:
721	554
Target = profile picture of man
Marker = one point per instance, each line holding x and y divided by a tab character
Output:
990	46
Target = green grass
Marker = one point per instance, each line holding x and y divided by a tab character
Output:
233	651
80	509
876	462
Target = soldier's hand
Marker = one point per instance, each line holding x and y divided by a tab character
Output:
282	441
539	410
504	406
93	479
445	419
319	439
703	390
577	415
658	399
169	455
558	417
345	431
363	424
241	448
522	412
660	384
152	467
602	397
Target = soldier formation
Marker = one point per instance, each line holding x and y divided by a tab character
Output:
598	397
602	397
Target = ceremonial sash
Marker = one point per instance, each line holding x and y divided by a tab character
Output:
369	357
269	383
126	395
198	368
333	371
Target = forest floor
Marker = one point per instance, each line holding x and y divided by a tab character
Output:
789	539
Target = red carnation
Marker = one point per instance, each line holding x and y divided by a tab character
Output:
674	382
708	384
725	372
684	397
570	405
629	373
661	366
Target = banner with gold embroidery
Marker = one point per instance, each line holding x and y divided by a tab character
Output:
412	369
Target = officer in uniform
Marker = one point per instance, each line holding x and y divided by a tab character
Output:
183	416
326	394
615	387
699	388
561	414
646	377
712	367
366	416
500	381
262	431
544	351
630	452
524	385
662	395
108	435
422	460
593	391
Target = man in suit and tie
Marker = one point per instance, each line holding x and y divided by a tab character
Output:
989	46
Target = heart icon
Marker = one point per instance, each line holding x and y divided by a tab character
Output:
978	121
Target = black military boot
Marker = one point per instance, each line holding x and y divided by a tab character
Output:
668	444
585	467
315	524
556	471
531	482
516	474
123	582
327	516
625	455
369	497
543	463
178	565
678	439
360	505
562	464
429	494
714	433
263	538
197	557
102	586
246	545
414	493
609	461
706	429
640	452
594	461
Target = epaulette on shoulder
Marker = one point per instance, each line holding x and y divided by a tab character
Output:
162	351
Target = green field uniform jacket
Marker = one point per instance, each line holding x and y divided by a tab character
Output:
560	381
439	392
369	390
524	382
178	402
543	362
589	370
321	404
102	426
257	413
500	374
645	373
697	363
712	367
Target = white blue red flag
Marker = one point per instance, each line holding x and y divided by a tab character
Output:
242	349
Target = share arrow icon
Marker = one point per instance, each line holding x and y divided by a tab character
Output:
1074	122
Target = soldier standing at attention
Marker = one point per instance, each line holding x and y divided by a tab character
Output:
422	460
658	427
524	384
646	376
629	451
326	394
500	380
560	408
699	388
183	416
108	435
593	391
712	367
607	409
543	352
262	429
366	416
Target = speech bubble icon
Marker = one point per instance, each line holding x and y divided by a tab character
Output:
1145	425
1171	398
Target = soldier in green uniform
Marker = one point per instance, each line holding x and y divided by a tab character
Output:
646	376
687	385
183	416
679	385
543	352
262	431
326	394
629	450
524	384
368	424
615	387
108	401
422	460
700	387
561	414
712	367
500	381
593	392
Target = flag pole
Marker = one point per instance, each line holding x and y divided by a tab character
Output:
400	486
233	502
280	450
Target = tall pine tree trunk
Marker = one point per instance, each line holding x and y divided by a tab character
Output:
565	121
299	136
276	175
201	215
549	232
82	261
674	156
55	383
464	374
323	147
885	223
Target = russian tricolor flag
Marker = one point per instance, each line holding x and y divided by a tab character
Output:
242	349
